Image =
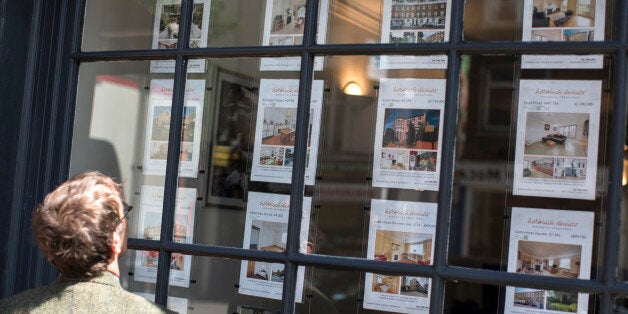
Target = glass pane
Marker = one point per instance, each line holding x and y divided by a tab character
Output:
128	263
466	297
216	286
530	167
538	20
332	291
379	158
118	25
112	135
252	23
236	152
393	21
621	305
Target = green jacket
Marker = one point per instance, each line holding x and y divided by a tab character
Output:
100	294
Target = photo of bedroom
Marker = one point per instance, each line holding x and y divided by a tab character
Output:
271	156
415	286
565	13
385	284
548	259
557	134
403	247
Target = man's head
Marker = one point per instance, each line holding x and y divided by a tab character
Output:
80	226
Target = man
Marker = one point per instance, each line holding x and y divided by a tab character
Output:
81	228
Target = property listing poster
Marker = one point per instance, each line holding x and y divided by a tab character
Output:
549	242
566	20
408	133
273	153
283	26
149	228
557	138
158	127
415	22
400	232
178	305
166	32
266	229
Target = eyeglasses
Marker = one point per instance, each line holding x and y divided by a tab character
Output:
127	210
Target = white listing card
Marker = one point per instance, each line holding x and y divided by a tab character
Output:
408	133
158	127
149	228
273	154
554	243
415	22
166	32
557	138
266	229
283	26
178	305
568	21
400	232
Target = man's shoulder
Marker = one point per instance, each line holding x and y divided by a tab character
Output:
78	296
24	301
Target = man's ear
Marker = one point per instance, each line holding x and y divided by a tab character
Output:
116	243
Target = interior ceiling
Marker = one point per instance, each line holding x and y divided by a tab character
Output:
550	250
406	237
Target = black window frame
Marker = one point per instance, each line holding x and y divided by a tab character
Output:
67	57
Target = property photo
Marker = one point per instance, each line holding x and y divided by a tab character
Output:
558	134
547	35
161	123
415	286
385	284
413	37
169	26
189	121
271	156
159	150
403	247
422	161
538	167
408	15
578	35
570	168
258	270
549	259
565	13
394	159
268	236
279	126
529	298
411	128
562	301
287	18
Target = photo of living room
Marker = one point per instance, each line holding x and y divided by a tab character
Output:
271	156
267	236
415	286
557	134
287	18
565	13
549	259
403	247
385	284
279	126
